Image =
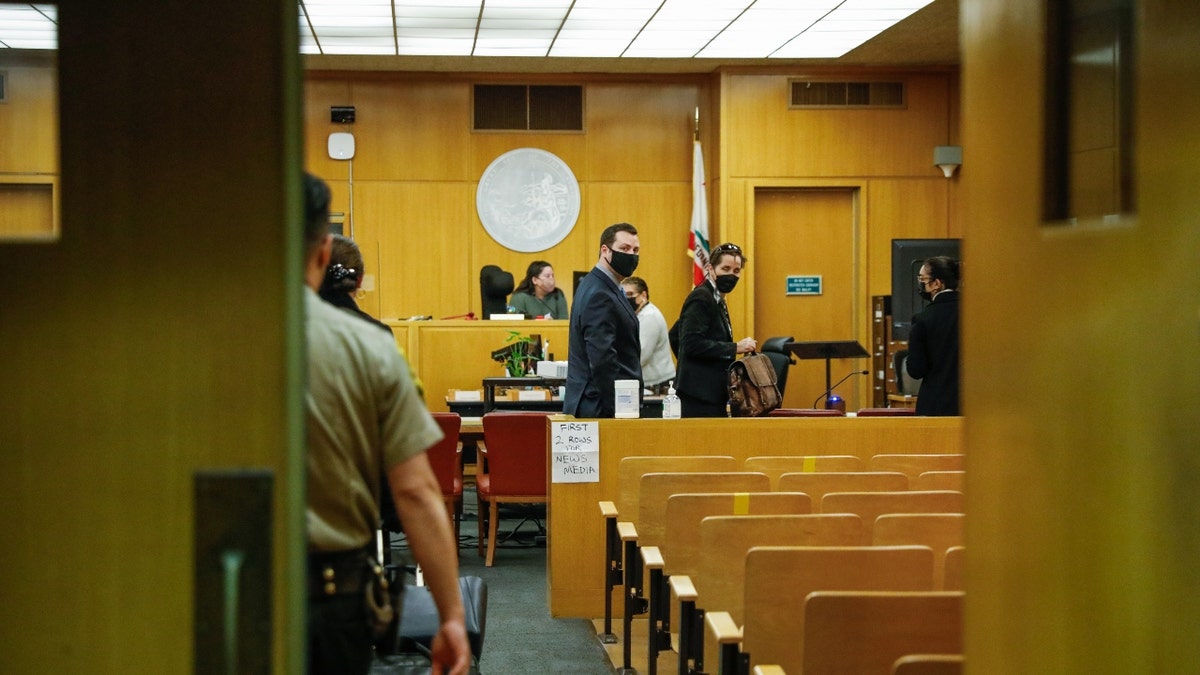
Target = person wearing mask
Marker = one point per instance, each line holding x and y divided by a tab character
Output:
706	347
933	339
603	344
658	368
364	419
537	295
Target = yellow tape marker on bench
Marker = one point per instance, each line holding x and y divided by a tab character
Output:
810	464
741	503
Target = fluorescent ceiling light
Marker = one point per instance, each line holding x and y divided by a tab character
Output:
727	29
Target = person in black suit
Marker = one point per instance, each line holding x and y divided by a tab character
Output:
705	337
933	340
603	342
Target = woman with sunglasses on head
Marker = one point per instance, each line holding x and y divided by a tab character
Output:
705	342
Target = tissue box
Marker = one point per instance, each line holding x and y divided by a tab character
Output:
555	369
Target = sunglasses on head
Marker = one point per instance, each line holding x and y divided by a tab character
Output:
725	248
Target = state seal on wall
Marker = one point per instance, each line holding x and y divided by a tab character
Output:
528	200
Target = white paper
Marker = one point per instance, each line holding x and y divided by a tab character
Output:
575	452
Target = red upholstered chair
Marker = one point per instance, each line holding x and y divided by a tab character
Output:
446	460
805	412
514	451
887	412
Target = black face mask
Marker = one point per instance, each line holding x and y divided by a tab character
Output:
726	282
925	295
623	263
633	303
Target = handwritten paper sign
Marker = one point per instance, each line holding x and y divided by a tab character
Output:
575	452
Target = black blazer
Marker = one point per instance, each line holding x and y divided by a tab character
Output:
604	346
933	355
706	347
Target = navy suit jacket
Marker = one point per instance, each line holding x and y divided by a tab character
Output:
933	355
604	346
706	347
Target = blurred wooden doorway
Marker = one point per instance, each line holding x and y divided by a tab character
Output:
809	232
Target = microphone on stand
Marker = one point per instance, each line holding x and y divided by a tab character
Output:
827	392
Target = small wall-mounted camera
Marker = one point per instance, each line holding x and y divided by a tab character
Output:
341	114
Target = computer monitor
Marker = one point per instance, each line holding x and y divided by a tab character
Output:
907	258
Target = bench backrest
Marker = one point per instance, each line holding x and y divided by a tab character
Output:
631	469
913	465
725	541
777	465
682	550
853	633
657	488
871	505
954	572
938	531
778	580
939	480
817	485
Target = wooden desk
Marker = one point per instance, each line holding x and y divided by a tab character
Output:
490	384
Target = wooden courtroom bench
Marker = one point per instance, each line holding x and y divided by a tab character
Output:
817	485
576	537
629	476
939	531
913	465
656	490
779	579
682	550
928	664
954	572
719	580
777	465
871	505
848	633
939	480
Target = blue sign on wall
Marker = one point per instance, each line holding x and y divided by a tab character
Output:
804	284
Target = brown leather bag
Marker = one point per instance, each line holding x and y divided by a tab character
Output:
752	388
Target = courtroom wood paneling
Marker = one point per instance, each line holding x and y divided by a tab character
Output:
576	530
768	139
29	116
902	208
412	130
319	97
1089	589
641	131
419	229
28	210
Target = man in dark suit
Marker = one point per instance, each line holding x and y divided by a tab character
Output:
706	347
604	345
933	340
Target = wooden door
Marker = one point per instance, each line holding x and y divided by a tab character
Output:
807	231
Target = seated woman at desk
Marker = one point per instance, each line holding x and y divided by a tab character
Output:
537	296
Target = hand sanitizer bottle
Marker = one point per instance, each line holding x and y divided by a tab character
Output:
671	410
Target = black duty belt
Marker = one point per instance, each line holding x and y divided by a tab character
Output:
339	573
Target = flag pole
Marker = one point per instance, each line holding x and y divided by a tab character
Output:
696	128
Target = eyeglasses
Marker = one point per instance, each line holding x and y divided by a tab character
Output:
725	248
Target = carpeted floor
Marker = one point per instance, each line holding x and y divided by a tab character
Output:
520	636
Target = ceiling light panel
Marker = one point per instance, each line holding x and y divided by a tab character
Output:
28	26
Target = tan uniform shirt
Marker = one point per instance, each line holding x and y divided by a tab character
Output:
364	415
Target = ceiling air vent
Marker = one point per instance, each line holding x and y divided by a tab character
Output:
509	107
810	94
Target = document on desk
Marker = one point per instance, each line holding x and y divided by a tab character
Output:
575	452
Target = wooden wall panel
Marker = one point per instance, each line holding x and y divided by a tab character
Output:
319	97
419	229
412	130
765	138
640	131
569	147
28	209
29	116
1092	568
904	208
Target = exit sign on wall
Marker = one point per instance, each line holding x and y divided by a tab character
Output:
804	284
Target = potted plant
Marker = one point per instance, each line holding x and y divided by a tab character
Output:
519	358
